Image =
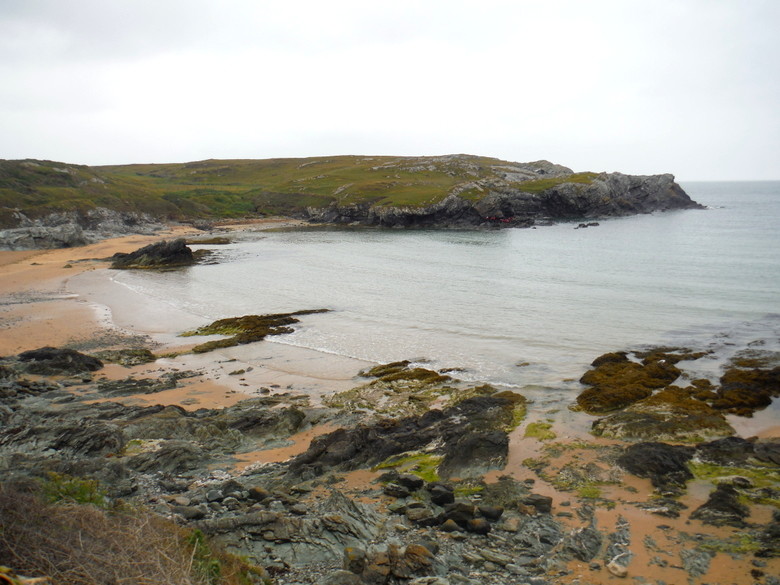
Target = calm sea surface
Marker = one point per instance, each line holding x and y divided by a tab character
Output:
522	307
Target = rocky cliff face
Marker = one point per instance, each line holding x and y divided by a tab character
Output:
73	228
513	204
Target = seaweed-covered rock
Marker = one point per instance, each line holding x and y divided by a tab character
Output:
247	329
665	465
671	414
164	254
126	357
743	391
617	382
53	361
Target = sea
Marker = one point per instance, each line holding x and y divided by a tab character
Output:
520	308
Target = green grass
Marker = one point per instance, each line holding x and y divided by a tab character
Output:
240	188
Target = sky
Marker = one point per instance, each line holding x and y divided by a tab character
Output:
689	87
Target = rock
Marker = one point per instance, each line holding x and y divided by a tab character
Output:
722	508
410	482
671	414
441	494
164	254
395	491
341	577
617	569
541	504
665	465
730	451
126	357
584	543
449	525
171	457
491	513
467	435
355	559
460	512
743	391
478	526
43	237
696	562
53	362
189	512
617	383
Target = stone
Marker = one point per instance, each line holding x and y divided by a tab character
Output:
542	504
478	526
617	569
441	494
491	513
395	491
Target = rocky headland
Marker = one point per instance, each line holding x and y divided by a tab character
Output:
51	205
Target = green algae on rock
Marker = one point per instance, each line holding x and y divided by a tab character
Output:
247	329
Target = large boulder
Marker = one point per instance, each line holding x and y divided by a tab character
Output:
52	361
164	254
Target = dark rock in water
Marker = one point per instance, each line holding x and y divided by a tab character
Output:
165	254
665	465
478	526
52	361
769	538
410	482
722	508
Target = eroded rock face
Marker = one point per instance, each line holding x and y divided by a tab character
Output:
470	436
507	204
164	254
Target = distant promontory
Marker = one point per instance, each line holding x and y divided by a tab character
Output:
53	204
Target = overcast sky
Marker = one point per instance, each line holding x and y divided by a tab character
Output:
689	87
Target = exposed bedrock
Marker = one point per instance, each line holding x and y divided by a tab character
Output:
507	204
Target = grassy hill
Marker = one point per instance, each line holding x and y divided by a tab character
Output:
239	188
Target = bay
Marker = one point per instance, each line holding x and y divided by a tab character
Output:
516	307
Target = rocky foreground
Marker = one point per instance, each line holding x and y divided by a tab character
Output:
393	488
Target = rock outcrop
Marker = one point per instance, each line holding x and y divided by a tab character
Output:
72	228
509	203
164	254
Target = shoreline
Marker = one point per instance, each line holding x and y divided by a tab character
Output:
66	297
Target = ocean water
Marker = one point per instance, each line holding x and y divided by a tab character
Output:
526	308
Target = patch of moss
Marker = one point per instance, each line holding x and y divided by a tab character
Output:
540	430
739	544
590	491
246	329
423	465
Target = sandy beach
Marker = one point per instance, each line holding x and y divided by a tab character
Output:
67	297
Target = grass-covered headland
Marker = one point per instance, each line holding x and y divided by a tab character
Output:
224	189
